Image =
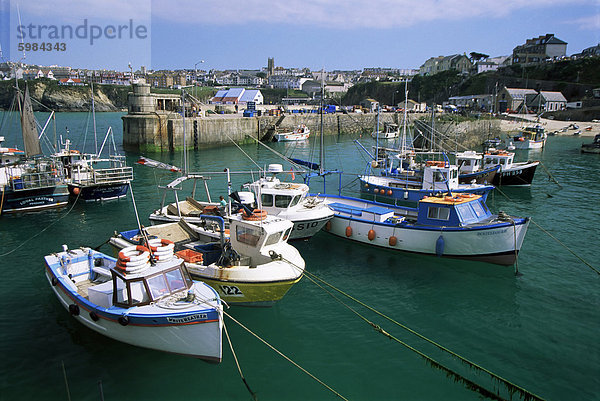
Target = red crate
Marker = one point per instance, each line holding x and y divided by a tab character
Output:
190	255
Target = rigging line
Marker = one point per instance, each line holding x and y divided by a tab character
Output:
286	357
252	393
510	386
274	151
245	154
43	230
566	247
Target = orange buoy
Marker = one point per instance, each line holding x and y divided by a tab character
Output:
375	191
366	185
371	235
328	226
76	190
393	241
389	192
348	231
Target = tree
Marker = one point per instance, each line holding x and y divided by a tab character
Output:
475	56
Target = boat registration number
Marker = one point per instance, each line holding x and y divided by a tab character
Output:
232	291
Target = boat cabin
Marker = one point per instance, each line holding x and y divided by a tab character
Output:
439	176
498	158
469	162
256	237
452	211
531	132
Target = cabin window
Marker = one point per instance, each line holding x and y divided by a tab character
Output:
287	234
438	213
247	235
295	200
488	161
267	199
502	162
438	176
465	212
175	280
158	286
478	209
282	201
273	239
466	162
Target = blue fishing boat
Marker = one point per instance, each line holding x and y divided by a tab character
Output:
141	300
456	226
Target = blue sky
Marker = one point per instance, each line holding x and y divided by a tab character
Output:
316	34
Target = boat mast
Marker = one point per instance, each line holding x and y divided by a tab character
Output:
94	120
321	151
185	169
403	148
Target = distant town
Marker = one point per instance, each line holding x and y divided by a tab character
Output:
305	83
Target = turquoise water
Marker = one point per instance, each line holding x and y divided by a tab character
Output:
539	330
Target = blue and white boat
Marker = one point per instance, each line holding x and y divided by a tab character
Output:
457	226
139	300
412	183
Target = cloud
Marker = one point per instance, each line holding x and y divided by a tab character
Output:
346	14
70	11
590	23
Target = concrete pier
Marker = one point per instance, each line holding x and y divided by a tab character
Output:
154	124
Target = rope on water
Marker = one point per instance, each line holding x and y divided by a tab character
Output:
566	247
286	357
550	175
510	387
556	239
252	393
43	230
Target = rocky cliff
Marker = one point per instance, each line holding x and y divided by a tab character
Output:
49	95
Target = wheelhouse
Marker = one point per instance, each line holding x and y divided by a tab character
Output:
452	211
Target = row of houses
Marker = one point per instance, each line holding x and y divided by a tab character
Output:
511	100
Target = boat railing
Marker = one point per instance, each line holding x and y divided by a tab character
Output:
107	175
38	180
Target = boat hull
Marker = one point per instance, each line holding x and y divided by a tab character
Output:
529	144
496	243
408	194
99	192
29	200
481	177
290	137
197	335
517	175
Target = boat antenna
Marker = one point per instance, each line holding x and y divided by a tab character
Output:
137	217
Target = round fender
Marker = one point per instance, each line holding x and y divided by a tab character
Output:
74	309
94	316
123	320
54	281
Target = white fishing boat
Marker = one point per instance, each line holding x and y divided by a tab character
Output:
248	262
139	300
390	131
531	137
510	172
290	201
457	226
301	133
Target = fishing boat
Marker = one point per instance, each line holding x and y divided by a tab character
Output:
390	131
301	133
470	168
532	137
248	261
28	180
593	147
290	200
9	156
411	184
510	173
454	226
95	178
139	300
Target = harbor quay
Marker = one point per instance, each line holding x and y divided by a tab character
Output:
154	123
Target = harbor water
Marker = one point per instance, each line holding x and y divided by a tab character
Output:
539	330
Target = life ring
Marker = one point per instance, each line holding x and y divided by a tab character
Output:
165	245
257	215
134	253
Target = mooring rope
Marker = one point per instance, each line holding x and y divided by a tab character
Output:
556	239
511	387
286	357
550	175
43	230
252	393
